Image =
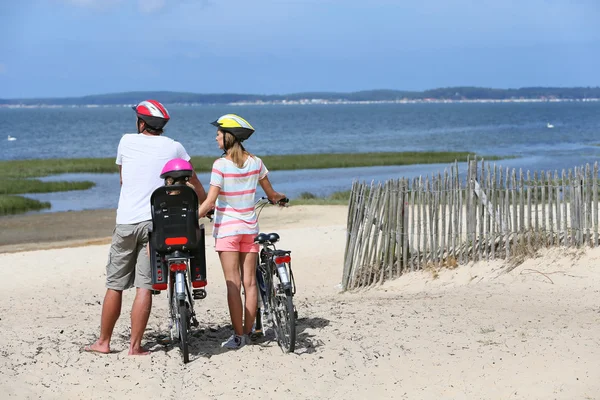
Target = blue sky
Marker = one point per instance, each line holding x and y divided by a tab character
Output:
56	48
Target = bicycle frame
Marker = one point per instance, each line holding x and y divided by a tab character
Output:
276	287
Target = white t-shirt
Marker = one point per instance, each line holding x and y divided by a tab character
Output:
142	158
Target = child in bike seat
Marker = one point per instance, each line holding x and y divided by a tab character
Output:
178	172
232	188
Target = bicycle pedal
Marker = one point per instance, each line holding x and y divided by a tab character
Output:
198	294
195	323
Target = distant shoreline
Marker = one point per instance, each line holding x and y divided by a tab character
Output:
456	94
309	102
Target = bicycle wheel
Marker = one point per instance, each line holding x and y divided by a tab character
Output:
284	317
173	311
183	331
262	283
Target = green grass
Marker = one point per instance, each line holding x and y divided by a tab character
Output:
17	204
38	168
347	160
336	198
21	186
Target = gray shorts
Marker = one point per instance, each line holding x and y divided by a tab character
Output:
128	263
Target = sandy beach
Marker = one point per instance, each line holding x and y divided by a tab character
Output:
480	331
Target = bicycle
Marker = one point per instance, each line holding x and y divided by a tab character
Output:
177	257
276	285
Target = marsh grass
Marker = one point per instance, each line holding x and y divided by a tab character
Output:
350	160
18	204
21	186
336	198
38	167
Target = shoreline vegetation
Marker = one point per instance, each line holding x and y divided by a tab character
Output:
16	175
449	94
35	168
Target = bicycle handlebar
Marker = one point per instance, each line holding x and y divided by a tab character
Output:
281	202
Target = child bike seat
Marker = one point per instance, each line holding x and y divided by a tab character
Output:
174	219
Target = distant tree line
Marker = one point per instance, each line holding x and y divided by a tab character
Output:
450	93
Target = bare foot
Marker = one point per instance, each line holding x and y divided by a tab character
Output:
140	351
97	348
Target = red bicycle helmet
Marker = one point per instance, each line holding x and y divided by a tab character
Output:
154	114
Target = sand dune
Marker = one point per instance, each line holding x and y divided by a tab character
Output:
476	332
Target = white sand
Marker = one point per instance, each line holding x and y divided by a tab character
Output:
476	332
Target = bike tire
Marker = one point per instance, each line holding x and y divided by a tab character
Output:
284	317
263	282
173	310
291	321
183	331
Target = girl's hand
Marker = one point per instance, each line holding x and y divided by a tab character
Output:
276	198
209	214
190	185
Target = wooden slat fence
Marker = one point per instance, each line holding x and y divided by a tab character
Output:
404	225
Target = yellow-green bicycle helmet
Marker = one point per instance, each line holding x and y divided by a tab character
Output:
236	125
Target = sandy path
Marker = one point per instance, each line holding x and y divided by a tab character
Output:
473	333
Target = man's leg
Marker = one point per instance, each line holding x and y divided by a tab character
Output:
111	310
119	276
140	313
142	304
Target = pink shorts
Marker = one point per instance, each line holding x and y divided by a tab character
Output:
239	243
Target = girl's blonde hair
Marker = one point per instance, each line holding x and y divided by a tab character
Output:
235	150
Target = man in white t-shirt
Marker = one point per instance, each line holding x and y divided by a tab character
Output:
141	158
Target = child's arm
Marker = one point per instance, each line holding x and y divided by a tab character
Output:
198	188
273	196
210	201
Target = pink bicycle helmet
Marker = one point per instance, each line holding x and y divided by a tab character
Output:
177	168
152	113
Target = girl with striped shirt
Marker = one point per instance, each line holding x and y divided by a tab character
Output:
233	184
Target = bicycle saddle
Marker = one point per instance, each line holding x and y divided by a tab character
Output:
261	238
273	237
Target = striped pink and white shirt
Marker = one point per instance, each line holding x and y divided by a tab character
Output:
234	210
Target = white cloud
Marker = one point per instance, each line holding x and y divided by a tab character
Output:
149	6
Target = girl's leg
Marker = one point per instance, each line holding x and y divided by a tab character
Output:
230	261
248	263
